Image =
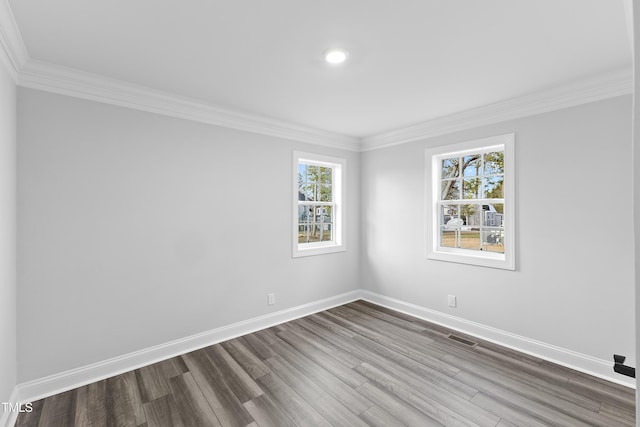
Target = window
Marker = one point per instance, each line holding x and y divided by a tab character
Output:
470	202
318	204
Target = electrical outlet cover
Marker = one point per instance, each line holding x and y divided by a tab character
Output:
452	301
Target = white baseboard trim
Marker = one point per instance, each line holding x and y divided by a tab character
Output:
68	380
9	418
63	381
580	362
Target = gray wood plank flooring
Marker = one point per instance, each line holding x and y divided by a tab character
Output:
354	365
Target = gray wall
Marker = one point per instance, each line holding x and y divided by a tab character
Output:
7	235
573	287
136	229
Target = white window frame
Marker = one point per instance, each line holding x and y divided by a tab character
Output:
433	156
339	169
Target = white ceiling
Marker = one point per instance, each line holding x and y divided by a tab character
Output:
410	60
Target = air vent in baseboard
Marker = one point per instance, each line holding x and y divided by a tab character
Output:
462	340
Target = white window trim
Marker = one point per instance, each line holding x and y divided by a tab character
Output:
339	166
432	170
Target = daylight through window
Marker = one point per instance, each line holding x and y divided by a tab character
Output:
317	204
471	202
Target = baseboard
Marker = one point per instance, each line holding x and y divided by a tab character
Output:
68	380
561	356
8	418
63	381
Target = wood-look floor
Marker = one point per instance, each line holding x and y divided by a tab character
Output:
354	365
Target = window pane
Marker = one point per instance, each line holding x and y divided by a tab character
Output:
324	214
309	191
326	193
315	183
494	187
451	189
303	233
305	216
313	173
493	215
302	178
493	240
464	239
450	168
447	213
448	238
470	239
302	171
325	175
494	163
326	232
305	213
460	226
450	226
315	224
324	222
319	232
472	188
472	165
471	215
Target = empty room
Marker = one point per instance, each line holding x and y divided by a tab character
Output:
318	213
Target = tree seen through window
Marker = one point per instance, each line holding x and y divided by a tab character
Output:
472	201
315	207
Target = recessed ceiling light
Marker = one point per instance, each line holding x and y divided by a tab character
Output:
336	56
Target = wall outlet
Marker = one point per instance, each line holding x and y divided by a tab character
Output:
271	299
452	301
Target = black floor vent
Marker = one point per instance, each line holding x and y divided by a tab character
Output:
462	340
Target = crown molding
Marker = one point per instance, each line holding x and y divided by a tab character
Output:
49	77
72	82
67	81
604	86
13	53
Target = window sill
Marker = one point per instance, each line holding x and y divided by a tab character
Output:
486	259
310	250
